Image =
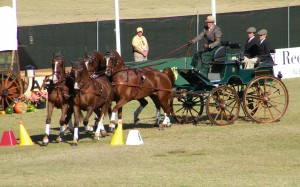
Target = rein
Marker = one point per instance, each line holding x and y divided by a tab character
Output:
156	89
159	57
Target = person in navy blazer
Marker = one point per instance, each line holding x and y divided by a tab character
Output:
251	48
264	50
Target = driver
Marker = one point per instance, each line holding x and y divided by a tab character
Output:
201	59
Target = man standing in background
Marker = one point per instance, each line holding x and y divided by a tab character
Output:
140	46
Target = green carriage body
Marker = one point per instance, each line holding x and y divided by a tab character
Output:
263	97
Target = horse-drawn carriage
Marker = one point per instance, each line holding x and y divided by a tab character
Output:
262	96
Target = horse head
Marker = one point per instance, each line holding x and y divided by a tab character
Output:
95	62
114	62
79	72
58	67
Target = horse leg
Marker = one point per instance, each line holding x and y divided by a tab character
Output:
50	107
62	120
143	104
157	106
166	105
100	131
68	119
86	120
77	114
118	108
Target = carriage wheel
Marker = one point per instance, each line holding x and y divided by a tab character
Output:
10	87
187	107
266	99
223	105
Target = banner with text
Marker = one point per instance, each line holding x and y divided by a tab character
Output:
288	62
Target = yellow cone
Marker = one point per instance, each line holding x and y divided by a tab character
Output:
24	137
117	138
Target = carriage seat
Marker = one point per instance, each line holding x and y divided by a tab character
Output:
220	55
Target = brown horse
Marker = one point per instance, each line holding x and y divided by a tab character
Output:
92	95
96	63
60	91
137	83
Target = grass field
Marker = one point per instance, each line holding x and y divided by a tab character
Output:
243	154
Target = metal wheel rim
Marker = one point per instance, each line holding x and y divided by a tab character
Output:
266	99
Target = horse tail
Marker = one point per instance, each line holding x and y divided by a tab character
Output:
170	74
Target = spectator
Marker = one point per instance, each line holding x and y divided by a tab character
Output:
140	46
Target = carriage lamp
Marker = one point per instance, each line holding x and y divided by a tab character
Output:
279	75
30	36
29	71
31	39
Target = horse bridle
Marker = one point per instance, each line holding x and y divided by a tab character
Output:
57	77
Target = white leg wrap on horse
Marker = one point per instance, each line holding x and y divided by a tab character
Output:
100	124
137	112
166	120
47	131
62	129
113	116
76	133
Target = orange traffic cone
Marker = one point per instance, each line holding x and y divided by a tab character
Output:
24	137
117	138
8	139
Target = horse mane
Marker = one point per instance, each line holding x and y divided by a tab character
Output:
170	74
117	55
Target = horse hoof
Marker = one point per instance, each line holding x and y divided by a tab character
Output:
58	139
103	133
111	129
73	144
96	137
136	121
45	143
162	127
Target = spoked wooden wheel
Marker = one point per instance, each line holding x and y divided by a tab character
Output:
188	107
266	99
222	105
10	87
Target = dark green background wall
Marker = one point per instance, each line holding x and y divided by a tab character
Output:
163	35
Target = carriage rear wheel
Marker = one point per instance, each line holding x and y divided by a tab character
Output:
10	87
266	99
188	107
222	105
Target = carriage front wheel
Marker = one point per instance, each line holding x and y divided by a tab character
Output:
222	105
10	87
188	106
266	99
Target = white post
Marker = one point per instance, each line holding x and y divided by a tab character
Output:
97	34
14	6
213	9
117	23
